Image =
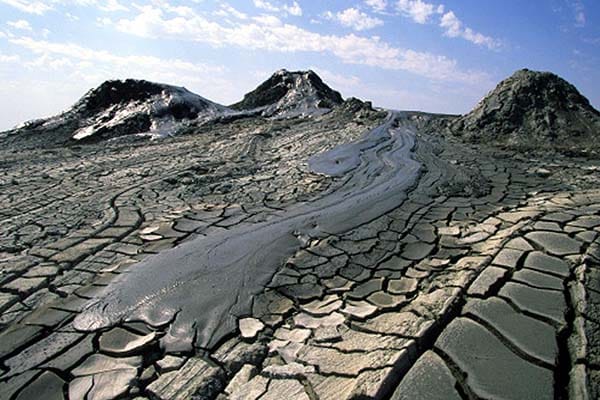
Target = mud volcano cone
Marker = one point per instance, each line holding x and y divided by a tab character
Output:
533	110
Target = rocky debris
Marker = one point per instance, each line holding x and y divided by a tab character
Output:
242	377
169	363
533	110
361	111
101	377
197	378
290	94
121	342
465	182
250	327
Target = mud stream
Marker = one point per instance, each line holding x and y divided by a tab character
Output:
201	287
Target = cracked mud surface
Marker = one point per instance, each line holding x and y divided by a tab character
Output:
434	293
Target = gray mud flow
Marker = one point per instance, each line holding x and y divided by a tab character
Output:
200	287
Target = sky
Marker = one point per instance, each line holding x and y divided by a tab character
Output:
402	54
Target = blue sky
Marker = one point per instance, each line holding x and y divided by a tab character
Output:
403	54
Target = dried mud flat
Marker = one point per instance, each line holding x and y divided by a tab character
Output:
476	279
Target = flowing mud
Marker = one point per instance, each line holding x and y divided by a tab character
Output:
202	286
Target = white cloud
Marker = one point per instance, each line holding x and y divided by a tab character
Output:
451	24
579	11
418	10
377	5
71	17
27	6
271	34
453	27
592	40
265	5
268	21
41	7
103	21
225	10
6	59
338	81
20	24
52	52
292	9
87	67
421	12
47	61
354	18
112	6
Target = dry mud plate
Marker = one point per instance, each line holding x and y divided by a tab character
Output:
331	257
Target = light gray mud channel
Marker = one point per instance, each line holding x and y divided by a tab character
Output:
202	286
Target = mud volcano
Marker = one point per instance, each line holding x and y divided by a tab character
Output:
533	110
301	247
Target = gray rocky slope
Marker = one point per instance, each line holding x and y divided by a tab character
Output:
338	255
138	108
288	94
118	108
532	110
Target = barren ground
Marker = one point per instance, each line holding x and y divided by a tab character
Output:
482	282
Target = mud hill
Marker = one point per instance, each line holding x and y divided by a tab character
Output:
290	94
118	108
139	108
529	110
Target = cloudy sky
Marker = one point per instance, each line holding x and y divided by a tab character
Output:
403	54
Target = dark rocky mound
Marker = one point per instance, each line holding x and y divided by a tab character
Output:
355	105
119	108
533	110
117	92
289	94
358	110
